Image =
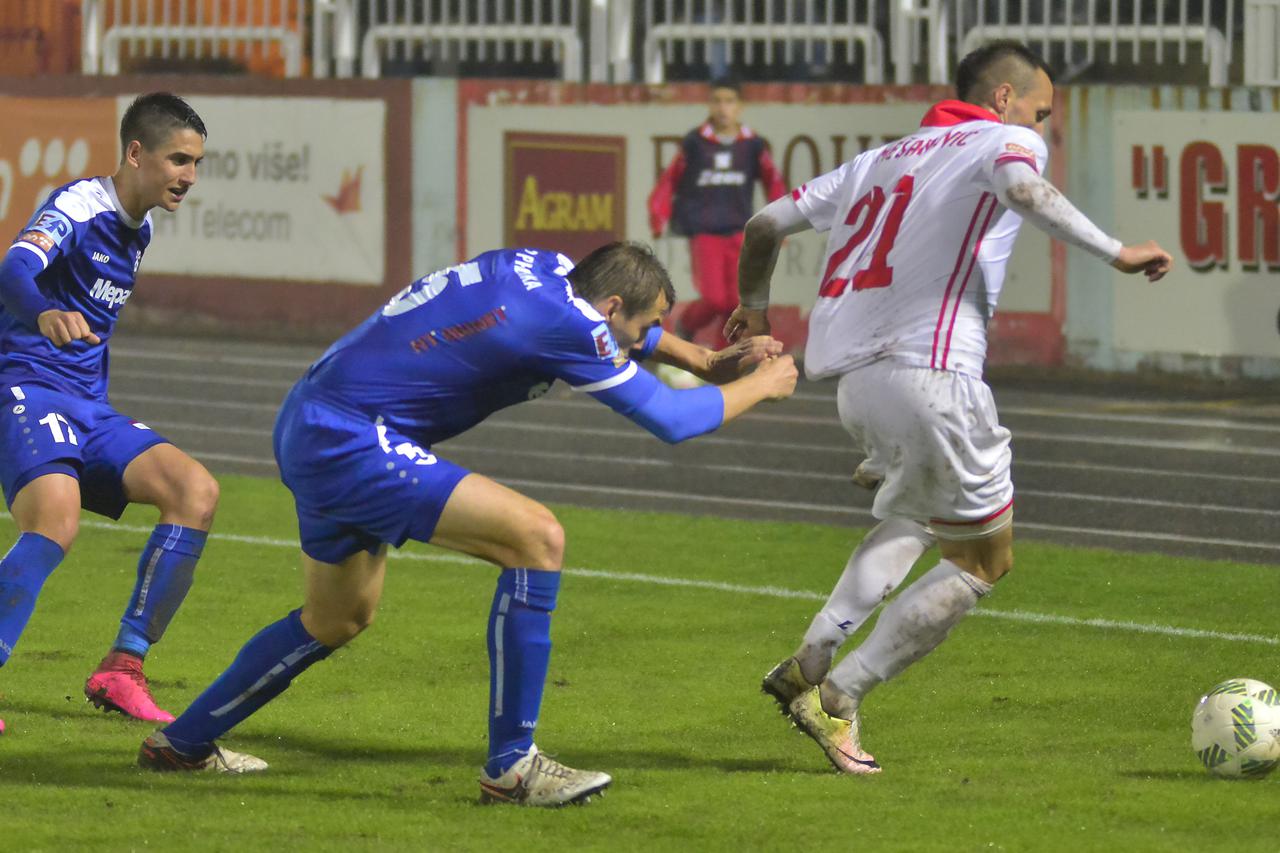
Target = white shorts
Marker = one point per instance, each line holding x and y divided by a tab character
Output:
935	440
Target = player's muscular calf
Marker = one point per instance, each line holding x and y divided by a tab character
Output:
63	327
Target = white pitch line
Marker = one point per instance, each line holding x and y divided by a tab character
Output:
743	589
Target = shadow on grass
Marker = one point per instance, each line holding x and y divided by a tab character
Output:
611	760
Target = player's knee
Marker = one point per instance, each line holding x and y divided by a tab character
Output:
61	530
337	629
206	493
543	545
196	500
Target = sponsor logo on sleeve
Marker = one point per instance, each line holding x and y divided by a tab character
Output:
1019	150
39	239
606	347
54	223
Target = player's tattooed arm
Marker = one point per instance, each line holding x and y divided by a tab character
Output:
1021	189
761	243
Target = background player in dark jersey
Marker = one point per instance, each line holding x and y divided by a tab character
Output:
353	442
707	195
63	283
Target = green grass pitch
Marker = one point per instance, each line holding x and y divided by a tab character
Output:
1014	735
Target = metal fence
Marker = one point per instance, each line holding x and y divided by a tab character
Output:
652	40
1261	32
261	35
1070	32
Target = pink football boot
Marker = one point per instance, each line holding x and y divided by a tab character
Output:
119	685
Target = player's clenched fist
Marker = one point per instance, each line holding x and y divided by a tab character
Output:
746	323
63	327
780	374
741	358
1146	258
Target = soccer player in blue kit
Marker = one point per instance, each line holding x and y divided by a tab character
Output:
353	441
63	283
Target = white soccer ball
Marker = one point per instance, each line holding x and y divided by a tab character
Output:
1235	730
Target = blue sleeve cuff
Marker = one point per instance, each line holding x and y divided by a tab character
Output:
645	348
19	292
672	415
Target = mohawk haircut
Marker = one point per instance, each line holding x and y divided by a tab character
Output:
1011	61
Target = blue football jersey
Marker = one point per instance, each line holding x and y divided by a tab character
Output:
457	345
89	249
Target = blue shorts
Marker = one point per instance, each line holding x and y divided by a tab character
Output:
44	430
356	484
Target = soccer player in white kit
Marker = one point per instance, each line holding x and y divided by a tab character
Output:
919	233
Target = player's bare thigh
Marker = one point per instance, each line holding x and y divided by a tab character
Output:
49	505
342	598
183	489
487	520
988	557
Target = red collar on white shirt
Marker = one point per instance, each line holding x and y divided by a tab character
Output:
708	132
946	113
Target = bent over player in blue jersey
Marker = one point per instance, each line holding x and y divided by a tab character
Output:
63	283
354	439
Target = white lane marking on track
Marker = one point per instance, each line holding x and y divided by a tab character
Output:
209	359
862	514
747	469
234	381
843	512
1020	411
1197	446
742	589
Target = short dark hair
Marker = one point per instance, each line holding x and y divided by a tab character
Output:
151	118
974	70
727	83
627	269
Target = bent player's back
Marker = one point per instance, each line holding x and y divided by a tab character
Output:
914	225
461	343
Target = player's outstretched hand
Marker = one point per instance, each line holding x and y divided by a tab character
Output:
1146	258
780	374
739	359
746	323
63	327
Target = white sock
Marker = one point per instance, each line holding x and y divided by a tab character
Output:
911	626
876	567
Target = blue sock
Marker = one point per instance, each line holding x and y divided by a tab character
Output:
264	668
22	572
519	650
166	570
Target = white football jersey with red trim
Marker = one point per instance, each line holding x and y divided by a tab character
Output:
917	244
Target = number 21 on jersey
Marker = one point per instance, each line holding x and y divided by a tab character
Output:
864	215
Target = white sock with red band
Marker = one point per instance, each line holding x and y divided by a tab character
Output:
879	563
911	626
